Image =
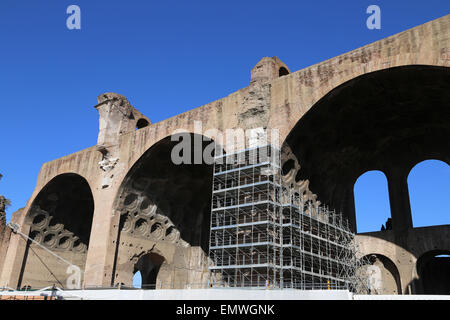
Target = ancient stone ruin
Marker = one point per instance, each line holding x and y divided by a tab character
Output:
123	206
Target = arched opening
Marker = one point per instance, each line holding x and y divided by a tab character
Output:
60	220
373	212
148	267
282	72
382	275
429	190
164	208
433	269
388	119
141	123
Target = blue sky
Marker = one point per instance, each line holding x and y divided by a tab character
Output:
166	57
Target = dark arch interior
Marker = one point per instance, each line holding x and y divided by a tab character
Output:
182	193
283	72
389	265
60	219
287	166
68	201
141	123
382	120
148	265
433	269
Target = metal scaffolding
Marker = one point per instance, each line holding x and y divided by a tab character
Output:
245	241
266	235
319	250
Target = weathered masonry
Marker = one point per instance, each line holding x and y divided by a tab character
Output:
122	206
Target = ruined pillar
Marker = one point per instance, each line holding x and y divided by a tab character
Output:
5	232
399	199
116	117
349	208
14	253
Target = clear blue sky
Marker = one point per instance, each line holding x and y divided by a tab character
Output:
166	57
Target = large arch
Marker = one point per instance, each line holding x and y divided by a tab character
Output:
59	219
164	213
148	266
433	270
382	274
385	120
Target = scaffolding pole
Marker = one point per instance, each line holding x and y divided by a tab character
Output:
268	235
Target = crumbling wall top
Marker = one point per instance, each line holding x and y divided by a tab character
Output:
117	116
268	69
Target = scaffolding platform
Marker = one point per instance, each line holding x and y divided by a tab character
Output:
266	235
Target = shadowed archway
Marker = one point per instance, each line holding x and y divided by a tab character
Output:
164	209
433	269
385	120
382	274
148	266
60	219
